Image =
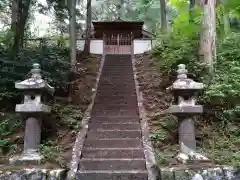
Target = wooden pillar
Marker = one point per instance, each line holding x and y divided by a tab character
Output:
104	44
132	45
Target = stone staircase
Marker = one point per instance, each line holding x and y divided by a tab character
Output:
113	147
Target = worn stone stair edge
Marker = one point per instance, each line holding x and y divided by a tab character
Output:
112	176
151	164
114	171
79	142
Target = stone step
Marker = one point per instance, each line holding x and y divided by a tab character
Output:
110	109
105	95
116	80
113	143
114	126
98	108
117	85
116	70
112	175
117	62
112	164
120	89
116	99
127	99
108	134
116	74
117	91
103	91
114	113
120	66
118	77
109	76
113	153
119	106
118	103
114	119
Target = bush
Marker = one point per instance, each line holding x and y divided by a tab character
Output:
224	90
223	93
221	98
54	62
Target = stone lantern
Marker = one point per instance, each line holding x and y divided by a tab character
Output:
185	108
33	107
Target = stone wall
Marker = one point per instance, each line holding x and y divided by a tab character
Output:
33	174
218	173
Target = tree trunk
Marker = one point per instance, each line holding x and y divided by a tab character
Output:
72	32
23	11
224	17
226	23
207	49
191	10
88	28
72	44
163	16
14	15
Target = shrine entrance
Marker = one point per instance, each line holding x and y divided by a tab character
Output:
118	35
118	43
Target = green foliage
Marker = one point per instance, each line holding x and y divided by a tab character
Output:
165	156
224	90
223	147
180	5
6	38
233	7
181	46
9	124
174	50
51	152
158	136
222	95
54	62
69	115
183	28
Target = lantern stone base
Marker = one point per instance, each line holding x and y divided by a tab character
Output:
30	158
192	156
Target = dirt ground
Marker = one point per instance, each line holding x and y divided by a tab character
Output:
60	128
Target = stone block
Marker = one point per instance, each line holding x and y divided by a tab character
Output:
32	108
217	173
33	174
181	110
